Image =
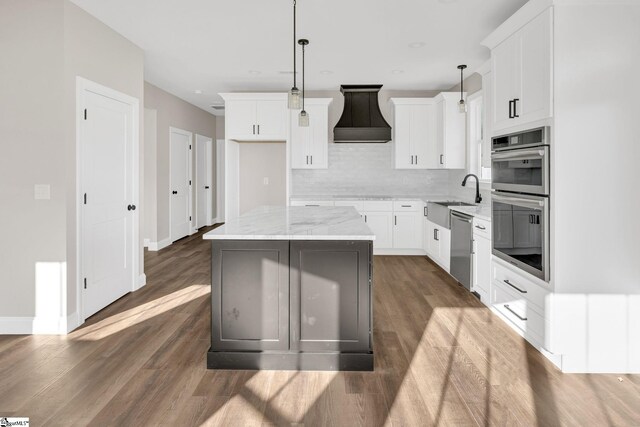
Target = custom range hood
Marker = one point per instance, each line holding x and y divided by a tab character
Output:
361	119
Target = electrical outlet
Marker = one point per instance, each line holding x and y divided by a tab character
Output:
265	180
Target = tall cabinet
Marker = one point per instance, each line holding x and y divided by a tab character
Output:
310	145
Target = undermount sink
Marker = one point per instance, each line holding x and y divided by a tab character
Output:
454	204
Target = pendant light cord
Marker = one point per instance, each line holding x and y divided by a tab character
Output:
461	83
303	77
294	44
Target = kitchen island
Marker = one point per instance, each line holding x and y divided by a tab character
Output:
291	288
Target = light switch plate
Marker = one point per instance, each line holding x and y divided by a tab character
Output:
42	192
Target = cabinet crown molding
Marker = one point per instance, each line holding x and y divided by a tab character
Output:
524	15
411	101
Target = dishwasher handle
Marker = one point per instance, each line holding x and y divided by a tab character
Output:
461	217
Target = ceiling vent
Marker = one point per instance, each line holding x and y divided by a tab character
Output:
361	119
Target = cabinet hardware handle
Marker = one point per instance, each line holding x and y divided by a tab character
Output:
515	108
416	159
481	227
435	234
511	108
312	205
307	161
406	206
258	129
206	187
411	159
441	159
365	218
473	251
174	192
395	220
311	157
130	207
254	129
522	291
426	211
514	313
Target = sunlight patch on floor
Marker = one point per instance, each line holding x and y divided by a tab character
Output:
139	314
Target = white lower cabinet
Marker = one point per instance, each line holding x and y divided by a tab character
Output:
381	223
521	300
407	230
481	280
437	240
311	203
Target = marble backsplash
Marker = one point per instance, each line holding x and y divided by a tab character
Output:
368	170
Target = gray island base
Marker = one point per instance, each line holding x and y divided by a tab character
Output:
291	289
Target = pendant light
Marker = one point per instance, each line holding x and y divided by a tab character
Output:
294	93
303	120
462	106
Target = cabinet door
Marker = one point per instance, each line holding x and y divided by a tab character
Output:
318	136
402	137
437	146
444	237
240	120
505	77
482	264
381	223
407	230
535	77
250	295
423	134
433	242
271	120
330	289
300	144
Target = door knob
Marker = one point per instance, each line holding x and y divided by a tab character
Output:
174	192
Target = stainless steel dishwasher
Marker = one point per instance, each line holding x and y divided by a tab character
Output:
461	243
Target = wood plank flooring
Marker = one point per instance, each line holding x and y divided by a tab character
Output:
442	358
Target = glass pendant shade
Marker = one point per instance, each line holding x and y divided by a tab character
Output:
303	119
462	106
294	99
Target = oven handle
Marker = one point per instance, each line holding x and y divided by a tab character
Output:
519	155
519	201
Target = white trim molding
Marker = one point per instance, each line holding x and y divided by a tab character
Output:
156	246
39	325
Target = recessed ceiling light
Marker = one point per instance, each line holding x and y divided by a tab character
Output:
325	72
397	71
254	72
416	45
197	91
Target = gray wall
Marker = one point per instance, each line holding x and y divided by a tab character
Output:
366	169
259	160
172	112
46	44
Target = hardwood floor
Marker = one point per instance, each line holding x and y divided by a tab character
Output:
442	358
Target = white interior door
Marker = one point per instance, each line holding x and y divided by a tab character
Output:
106	142
180	183
204	189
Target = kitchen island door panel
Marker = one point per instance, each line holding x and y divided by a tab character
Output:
250	295
330	299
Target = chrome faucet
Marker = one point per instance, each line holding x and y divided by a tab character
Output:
464	182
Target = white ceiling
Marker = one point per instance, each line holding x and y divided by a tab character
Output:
224	46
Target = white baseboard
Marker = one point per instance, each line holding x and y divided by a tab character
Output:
142	280
145	243
156	246
39	325
399	252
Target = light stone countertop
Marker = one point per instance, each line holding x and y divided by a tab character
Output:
480	211
295	223
424	198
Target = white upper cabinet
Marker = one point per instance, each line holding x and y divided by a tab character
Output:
521	75
450	142
255	116
310	145
414	132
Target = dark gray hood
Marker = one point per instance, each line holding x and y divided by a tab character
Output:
361	119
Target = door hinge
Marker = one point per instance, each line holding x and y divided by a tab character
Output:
85	283
85	198
85	114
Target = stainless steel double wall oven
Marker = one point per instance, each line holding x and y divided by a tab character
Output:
520	200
